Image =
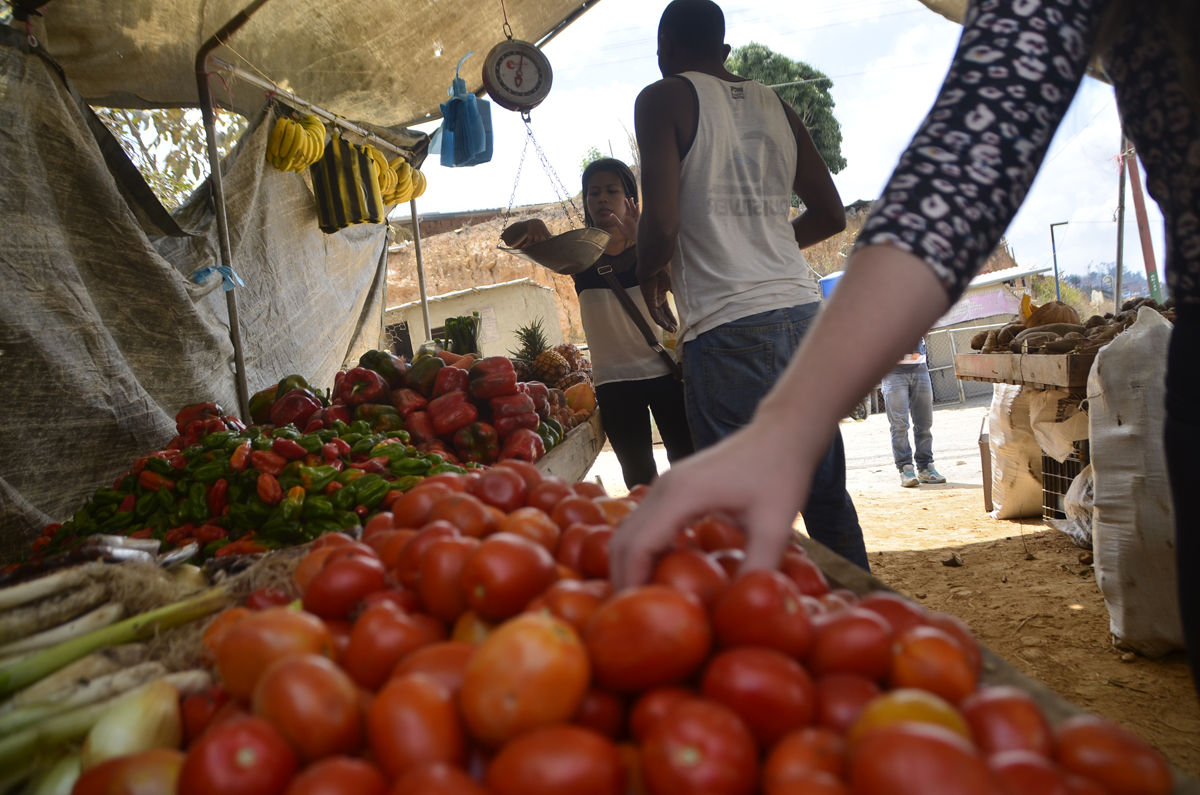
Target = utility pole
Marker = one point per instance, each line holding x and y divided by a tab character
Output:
1120	228
1054	250
1139	209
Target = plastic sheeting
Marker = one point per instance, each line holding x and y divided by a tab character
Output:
387	62
102	335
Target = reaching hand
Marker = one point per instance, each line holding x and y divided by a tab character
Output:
655	292
628	224
525	233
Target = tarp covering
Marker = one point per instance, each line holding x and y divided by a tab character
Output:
953	10
103	337
387	61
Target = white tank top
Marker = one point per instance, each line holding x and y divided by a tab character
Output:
737	254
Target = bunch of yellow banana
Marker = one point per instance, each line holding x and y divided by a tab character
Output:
410	183
294	146
387	177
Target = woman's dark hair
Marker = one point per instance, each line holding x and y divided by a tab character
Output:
612	166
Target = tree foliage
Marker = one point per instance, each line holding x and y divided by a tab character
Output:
590	156
811	101
168	146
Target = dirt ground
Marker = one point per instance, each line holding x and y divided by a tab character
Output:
1022	586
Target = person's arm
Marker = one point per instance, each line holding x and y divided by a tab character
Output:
823	215
656	117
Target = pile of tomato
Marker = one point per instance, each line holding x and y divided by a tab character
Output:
470	644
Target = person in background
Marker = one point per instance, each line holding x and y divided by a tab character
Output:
953	194
721	157
632	381
908	390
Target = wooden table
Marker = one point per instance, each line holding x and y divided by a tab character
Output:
572	459
1044	371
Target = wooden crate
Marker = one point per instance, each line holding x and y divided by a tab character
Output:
572	459
1030	369
841	573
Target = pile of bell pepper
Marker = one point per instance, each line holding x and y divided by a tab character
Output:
313	463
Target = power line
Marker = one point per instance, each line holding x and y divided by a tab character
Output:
1076	135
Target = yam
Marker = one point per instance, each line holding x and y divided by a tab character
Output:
1060	346
990	342
1008	332
979	339
1057	329
1032	342
1095	320
1073	335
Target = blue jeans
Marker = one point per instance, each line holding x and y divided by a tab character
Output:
728	370
904	394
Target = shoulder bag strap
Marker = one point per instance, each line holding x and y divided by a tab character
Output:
639	320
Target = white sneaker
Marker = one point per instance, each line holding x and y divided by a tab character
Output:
930	475
908	478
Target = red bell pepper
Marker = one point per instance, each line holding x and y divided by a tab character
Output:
478	442
217	498
232	423
295	408
334	449
388	365
439	447
511	412
288	449
269	490
240	456
420	427
406	401
324	417
450	379
451	412
197	411
523	445
491	377
505	426
540	394
360	386
153	481
267	462
382	418
197	429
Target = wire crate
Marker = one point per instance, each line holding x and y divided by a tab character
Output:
1057	477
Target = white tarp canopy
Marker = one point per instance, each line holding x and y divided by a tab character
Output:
388	62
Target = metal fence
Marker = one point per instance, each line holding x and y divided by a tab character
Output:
941	347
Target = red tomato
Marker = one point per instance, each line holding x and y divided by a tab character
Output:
262	638
339	630
351	550
952	624
654	706
216	631
630	646
528	673
198	710
557	760
528	472
918	759
245	757
380	540
339	775
390	553
809	579
382	636
730	560
899	612
437	779
408	561
331	540
413	721
465	512
1007	719
816	783
700	747
401	597
928	658
380	522
602	712
312	563
440	587
768	690
313	705
1078	785
593	554
572	509
412	510
833	602
342	584
570	545
453	480
504	574
1023	772
639	492
1113	756
714	533
574	601
443	662
854	641
535	525
762	608
814	607
153	772
501	488
841	698
802	753
268	597
590	489
547	494
693	572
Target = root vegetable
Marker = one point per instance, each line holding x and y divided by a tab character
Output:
1008	332
980	339
1052	312
89	622
990	342
1057	329
89	692
21	622
147	718
1060	346
189	683
42	587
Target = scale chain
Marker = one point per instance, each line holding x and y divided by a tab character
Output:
564	198
513	198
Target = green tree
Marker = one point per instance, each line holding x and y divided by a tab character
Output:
810	100
590	156
168	146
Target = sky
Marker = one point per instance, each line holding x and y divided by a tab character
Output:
887	59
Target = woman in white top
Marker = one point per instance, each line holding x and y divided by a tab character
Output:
632	381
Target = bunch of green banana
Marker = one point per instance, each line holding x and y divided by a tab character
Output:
294	146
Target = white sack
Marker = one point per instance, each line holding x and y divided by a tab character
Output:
1057	422
1016	456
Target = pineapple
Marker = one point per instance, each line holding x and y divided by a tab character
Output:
544	363
572	354
571	379
522	368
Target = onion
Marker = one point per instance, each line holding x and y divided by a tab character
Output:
148	718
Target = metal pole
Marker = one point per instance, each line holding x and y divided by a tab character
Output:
1139	210
1054	250
218	192
1120	229
416	230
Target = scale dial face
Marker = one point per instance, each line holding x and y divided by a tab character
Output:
517	75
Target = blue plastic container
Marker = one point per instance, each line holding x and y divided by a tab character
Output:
828	283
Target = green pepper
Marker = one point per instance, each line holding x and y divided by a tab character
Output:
211	472
343	499
317	507
160	466
352	439
311	443
406	483
290	382
389	450
349	476
166	500
409	466
315	479
147	504
434	459
211	549
346	520
195	506
285	531
442	469
319	527
262	442
369	490
292	505
287	432
423	372
360	427
547	436
555	426
326	435
215	440
118	521
365	444
234	443
106	496
261	404
340	428
253	432
249	516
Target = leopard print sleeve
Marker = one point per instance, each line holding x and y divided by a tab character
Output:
967	170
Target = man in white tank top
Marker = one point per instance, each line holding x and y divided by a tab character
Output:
721	156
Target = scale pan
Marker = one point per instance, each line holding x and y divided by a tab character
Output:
569	253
